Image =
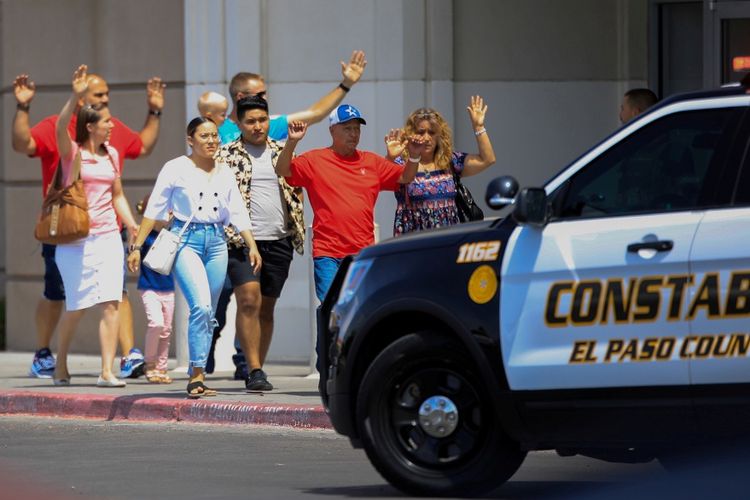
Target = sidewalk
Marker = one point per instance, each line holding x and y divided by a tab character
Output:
294	401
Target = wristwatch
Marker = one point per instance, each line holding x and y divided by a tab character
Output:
133	248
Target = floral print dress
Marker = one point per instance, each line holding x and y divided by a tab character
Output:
429	201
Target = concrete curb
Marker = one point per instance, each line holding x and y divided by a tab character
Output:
140	408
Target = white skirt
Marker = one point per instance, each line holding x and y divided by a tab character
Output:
91	270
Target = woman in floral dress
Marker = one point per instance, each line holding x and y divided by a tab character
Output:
430	200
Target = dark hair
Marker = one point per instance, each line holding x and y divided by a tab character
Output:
86	115
641	99
195	123
239	80
247	103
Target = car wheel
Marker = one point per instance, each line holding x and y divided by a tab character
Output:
427	421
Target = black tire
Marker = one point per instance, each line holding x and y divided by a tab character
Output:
475	458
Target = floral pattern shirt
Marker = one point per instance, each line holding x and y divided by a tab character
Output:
429	201
236	157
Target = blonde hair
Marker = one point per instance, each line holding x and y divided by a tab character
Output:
209	99
444	143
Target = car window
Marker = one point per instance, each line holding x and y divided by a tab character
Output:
664	166
743	186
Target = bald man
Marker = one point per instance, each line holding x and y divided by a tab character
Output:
213	106
39	142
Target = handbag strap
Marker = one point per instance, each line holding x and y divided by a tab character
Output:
187	223
57	181
456	177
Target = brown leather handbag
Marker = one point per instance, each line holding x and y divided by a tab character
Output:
65	210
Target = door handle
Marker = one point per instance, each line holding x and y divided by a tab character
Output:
659	246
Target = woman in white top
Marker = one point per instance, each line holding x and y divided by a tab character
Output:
195	185
91	268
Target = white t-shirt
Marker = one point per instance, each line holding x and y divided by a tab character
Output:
268	210
183	188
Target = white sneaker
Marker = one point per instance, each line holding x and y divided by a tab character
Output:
110	382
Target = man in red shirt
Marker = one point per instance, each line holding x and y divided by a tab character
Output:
342	185
39	141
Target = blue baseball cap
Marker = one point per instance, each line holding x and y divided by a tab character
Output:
344	113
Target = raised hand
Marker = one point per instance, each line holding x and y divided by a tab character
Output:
395	143
80	81
477	110
296	130
352	72
416	145
155	94
24	89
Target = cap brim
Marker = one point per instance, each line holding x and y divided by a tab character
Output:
361	120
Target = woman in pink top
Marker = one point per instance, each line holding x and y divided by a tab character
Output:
91	268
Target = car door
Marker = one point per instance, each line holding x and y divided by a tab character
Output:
596	298
719	343
719	346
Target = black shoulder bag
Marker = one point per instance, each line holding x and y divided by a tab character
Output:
468	210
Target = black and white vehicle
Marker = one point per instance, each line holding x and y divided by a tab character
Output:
608	316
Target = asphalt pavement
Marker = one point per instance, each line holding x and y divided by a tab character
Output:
293	402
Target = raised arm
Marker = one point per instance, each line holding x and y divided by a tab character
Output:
395	143
155	99
415	146
475	163
297	130
80	84
351	74
24	91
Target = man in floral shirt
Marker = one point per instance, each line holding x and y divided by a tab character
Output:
276	214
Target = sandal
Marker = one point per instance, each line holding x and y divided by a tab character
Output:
197	389
165	379
153	377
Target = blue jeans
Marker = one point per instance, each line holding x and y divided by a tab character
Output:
324	270
200	269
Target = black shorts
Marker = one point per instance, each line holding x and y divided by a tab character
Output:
277	257
53	283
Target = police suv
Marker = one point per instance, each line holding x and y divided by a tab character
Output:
607	316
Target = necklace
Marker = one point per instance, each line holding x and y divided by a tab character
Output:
427	173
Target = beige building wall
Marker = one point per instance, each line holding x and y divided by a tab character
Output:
552	73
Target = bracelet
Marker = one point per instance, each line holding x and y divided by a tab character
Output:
480	131
344	87
415	160
155	112
23	107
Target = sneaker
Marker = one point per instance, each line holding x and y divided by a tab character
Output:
132	365
258	381
240	372
43	365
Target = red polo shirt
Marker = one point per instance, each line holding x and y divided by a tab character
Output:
127	143
342	192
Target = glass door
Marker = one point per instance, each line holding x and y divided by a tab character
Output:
726	36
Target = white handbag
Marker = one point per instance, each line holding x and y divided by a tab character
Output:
161	255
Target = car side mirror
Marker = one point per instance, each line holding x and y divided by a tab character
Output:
501	192
531	207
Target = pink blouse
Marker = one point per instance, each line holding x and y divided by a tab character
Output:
98	173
